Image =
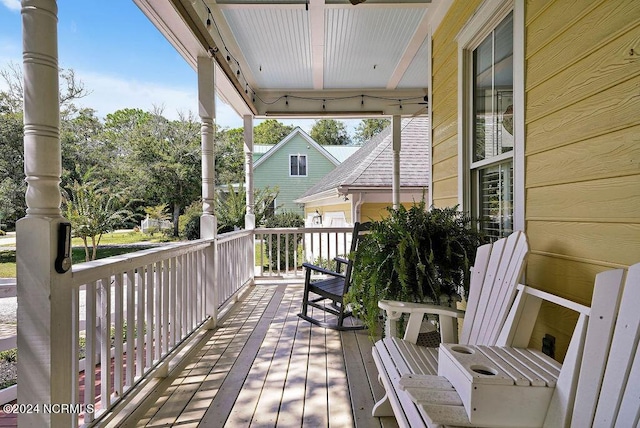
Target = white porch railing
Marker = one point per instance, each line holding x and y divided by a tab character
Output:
132	312
280	252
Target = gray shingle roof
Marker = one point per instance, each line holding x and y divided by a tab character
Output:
372	165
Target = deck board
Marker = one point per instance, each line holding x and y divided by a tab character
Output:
264	366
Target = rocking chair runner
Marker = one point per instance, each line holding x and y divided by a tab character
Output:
332	288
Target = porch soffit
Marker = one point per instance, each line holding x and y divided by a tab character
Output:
308	58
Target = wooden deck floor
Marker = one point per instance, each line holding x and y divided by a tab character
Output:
265	367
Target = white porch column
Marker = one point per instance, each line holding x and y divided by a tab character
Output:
396	135
250	217
208	224
44	295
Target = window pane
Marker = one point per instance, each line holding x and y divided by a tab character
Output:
294	165
503	81
482	90
495	185
493	93
302	165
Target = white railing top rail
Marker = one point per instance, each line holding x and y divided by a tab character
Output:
273	230
230	236
86	272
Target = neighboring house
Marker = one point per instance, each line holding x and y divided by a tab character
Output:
294	165
360	188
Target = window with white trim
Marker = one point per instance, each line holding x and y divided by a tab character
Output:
298	165
488	143
491	168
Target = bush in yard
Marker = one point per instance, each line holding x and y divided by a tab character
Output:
287	247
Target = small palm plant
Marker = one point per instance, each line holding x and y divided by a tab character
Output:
94	210
414	255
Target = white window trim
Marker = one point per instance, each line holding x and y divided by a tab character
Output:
484	20
306	174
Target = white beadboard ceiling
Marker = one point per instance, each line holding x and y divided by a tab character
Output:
307	57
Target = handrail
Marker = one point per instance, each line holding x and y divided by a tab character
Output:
97	269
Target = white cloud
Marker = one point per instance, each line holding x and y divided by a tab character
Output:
111	93
12	4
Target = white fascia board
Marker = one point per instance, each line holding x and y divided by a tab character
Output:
317	197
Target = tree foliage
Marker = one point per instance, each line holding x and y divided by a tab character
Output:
270	132
11	99
93	210
229	159
231	206
369	128
330	132
12	185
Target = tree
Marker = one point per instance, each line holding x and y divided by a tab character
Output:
330	132
11	99
229	159
231	206
270	132
174	163
12	185
369	128
93	210
84	149
159	158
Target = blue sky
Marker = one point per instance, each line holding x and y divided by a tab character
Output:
120	57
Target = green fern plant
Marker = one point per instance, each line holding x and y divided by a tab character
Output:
414	255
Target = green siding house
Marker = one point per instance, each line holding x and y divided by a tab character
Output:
294	165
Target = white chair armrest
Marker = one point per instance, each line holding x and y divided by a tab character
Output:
394	310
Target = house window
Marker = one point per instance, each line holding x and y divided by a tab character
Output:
491	141
298	165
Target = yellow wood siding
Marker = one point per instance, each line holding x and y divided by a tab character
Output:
444	99
374	211
344	207
582	147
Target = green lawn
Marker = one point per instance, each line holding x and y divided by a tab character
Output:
8	257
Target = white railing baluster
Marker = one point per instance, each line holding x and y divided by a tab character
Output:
118	325
165	307
90	351
262	254
185	294
105	343
201	290
173	295
179	302
75	350
140	323
150	286
131	323
190	283
157	316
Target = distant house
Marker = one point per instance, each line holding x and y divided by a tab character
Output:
360	189
295	165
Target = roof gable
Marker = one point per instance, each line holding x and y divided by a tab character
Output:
288	138
372	165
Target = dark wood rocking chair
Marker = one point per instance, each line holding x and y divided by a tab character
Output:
331	290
